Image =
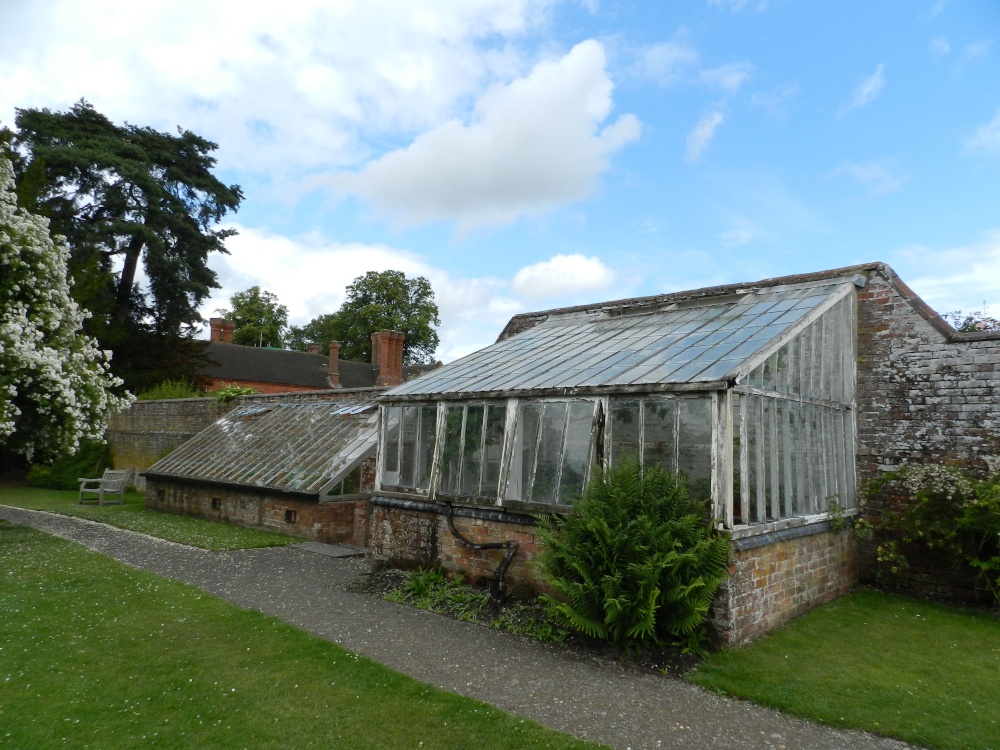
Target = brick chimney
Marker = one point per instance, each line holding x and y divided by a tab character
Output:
221	330
334	371
387	356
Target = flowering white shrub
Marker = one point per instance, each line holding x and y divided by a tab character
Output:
55	383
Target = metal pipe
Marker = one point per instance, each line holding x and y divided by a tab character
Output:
498	587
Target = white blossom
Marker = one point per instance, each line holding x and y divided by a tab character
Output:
55	383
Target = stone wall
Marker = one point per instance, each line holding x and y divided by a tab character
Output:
418	536
778	576
924	394
335	521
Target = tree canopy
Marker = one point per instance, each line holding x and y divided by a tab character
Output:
384	300
120	194
319	332
260	319
56	387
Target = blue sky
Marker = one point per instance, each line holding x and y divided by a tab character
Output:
528	154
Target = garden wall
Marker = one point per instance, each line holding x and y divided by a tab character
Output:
778	576
334	521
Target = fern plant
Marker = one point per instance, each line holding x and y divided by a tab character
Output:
637	562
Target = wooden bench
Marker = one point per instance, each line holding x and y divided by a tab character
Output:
112	483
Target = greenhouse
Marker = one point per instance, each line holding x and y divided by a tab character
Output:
748	392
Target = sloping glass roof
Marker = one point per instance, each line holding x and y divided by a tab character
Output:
296	447
687	342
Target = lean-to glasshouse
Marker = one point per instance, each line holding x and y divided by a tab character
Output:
296	467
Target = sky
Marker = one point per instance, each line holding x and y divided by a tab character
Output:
530	154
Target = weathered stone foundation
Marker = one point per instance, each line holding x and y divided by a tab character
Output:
343	520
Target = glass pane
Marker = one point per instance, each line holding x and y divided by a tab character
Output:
694	442
737	462
496	419
545	486
659	445
522	460
624	429
451	451
576	455
472	450
425	446
390	455
409	446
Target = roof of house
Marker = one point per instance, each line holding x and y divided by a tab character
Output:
301	447
263	365
694	339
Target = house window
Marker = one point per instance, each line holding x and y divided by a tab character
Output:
551	451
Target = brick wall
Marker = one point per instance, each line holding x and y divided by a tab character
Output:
335	521
776	577
416	537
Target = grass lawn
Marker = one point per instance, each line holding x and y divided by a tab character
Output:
133	515
921	672
96	654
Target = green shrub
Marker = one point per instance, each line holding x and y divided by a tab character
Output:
228	393
170	389
945	509
637	562
64	473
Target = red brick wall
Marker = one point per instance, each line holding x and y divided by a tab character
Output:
409	538
770	584
336	521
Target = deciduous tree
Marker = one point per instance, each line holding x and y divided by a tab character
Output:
387	300
56	387
260	319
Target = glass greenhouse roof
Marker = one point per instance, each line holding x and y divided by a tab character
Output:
691	341
298	447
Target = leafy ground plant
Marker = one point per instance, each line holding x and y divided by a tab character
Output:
134	516
925	673
636	563
99	654
431	589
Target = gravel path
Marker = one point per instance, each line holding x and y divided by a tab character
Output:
586	696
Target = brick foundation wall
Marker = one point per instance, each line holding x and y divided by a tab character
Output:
332	522
412	538
785	575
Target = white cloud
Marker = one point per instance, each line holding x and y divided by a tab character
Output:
729	77
701	135
775	100
867	91
735	6
743	232
939	46
530	146
664	62
986	139
562	276
880	177
309	275
301	85
958	278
